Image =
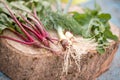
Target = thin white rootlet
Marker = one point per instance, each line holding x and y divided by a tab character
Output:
73	53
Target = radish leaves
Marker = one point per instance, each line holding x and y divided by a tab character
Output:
95	25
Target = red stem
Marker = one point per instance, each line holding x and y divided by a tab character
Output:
19	41
38	23
34	12
27	43
38	35
38	26
29	23
54	39
35	16
18	23
18	34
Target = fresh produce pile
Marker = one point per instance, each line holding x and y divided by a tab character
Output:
31	21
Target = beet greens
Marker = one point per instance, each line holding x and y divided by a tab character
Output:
29	29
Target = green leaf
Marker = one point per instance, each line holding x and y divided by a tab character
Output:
86	32
110	35
100	50
81	18
96	31
2	27
5	22
104	17
95	25
65	21
90	12
20	5
101	27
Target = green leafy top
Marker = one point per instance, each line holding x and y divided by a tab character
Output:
5	20
95	25
67	22
91	24
21	7
61	18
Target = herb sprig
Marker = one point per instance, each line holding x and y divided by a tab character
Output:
95	25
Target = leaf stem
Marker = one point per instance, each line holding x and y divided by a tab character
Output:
18	34
67	6
18	23
60	33
19	41
36	34
29	23
59	7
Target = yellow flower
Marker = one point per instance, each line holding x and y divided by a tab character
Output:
75	1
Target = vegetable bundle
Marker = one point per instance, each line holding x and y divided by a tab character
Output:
32	20
27	27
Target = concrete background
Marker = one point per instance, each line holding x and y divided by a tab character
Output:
112	7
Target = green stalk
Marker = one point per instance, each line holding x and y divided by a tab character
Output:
59	28
59	8
67	7
60	33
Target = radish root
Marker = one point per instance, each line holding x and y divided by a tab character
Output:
74	51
